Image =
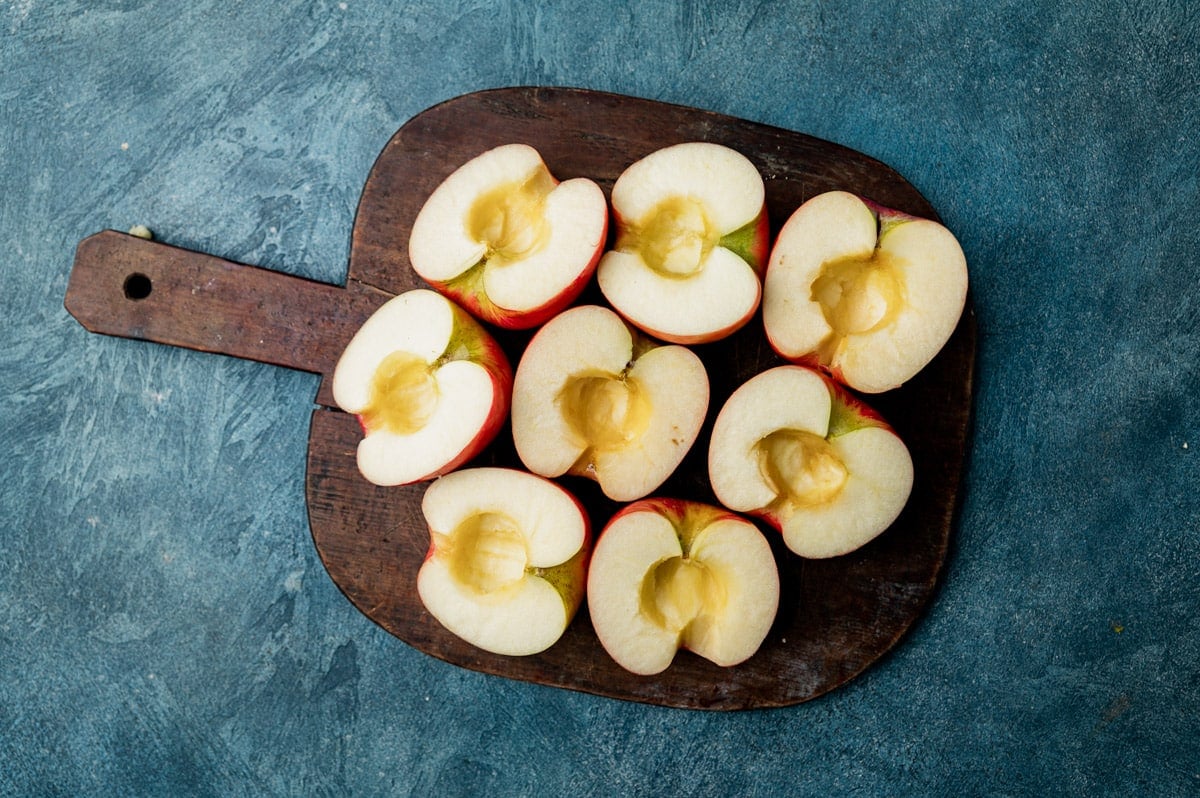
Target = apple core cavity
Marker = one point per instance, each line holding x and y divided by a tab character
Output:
801	468
487	552
510	219
403	394
678	590
607	411
674	238
860	295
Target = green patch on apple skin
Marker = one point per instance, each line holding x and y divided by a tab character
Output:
641	345
847	414
748	242
469	281
886	218
469	286
468	341
567	578
888	223
843	420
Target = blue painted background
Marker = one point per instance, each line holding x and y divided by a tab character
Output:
165	625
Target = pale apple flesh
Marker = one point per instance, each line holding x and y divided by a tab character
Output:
864	292
669	574
506	567
507	240
691	243
594	399
430	387
792	447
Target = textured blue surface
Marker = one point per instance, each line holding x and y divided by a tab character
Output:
165	625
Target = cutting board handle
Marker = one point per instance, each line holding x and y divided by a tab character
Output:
134	288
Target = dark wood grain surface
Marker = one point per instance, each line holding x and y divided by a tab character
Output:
836	617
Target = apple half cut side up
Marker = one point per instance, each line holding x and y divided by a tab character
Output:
431	388
506	240
866	293
668	574
594	399
792	447
691	243
506	567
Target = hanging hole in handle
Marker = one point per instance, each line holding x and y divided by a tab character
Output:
137	286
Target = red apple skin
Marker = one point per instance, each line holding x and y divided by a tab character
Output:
756	256
487	433
768	518
568	578
886	216
865	415
585	548
491	357
759	252
578	565
674	509
487	353
481	307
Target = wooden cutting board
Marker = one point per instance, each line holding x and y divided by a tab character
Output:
836	617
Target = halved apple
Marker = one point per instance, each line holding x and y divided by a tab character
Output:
431	388
594	399
669	574
799	451
508	241
691	243
507	559
865	292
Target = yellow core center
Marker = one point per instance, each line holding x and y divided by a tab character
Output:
487	552
801	467
678	590
510	219
403	394
607	411
674	239
860	294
